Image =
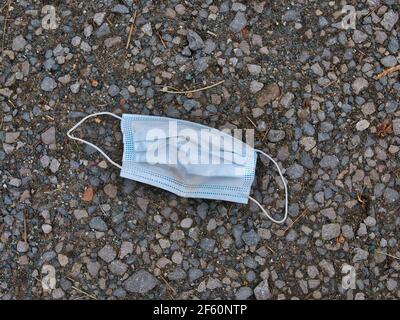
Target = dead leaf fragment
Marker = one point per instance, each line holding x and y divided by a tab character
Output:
88	195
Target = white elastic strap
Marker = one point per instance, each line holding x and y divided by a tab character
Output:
91	144
286	192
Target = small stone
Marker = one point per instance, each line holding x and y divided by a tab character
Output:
327	267
22	246
103	30
359	36
262	291
80	214
46	228
255	86
362	230
107	253
254	69
389	61
88	31
276	135
120	8
213	284
291	15
391	195
85	47
54	165
75	87
65	79
97	223
49	136
389	20
15	182
186	223
370	221
201	64
177	257
140	282
62	260
177	235
243	293
348	232
360	255
257	112
207	244
238	22
48	84
330	231
308	143
329	161
110	190
190	104
12	137
113	90
126	249
312	272
396	127
76	41
18	43
170	13
251	238
391	284
237	6
295	171
6	92
57	294
359	85
113	41
368	108
316	68
268	94
362	125
287	100
118	267
194	274
195	41
147	29
180	9
93	268
98	18
329	213
143	204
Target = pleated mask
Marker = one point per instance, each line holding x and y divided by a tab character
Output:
188	159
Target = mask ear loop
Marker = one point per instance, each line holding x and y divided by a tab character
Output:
286	193
91	144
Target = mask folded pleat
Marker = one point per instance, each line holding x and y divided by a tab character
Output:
186	158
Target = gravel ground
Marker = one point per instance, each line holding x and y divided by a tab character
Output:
307	86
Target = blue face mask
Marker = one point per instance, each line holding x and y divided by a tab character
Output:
185	158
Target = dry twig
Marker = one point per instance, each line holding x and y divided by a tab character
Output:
131	30
251	121
295	220
161	39
168	285
25	235
268	247
5	24
81	291
166	90
84	293
387	71
387	254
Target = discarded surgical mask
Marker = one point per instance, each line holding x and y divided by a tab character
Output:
186	158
